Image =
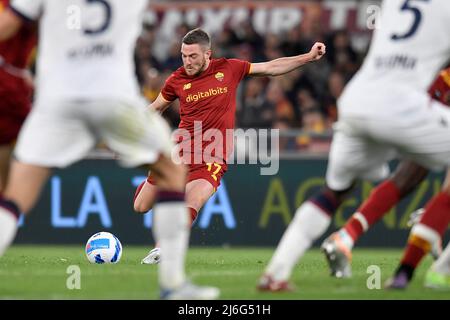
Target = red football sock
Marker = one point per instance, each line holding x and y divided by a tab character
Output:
381	200
354	228
414	251
436	217
437	213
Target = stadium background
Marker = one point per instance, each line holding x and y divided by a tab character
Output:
249	209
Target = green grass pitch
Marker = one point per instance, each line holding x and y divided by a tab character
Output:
40	272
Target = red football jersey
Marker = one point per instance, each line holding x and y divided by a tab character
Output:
15	92
209	100
16	52
440	89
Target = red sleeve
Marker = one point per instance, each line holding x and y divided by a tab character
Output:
168	91
440	89
240	68
3	5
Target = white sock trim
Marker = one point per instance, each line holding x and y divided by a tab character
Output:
426	233
362	220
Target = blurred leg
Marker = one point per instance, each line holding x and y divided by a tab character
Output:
311	220
383	198
197	193
25	183
24	186
5	157
171	223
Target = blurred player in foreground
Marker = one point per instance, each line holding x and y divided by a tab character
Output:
384	111
87	92
338	246
206	89
15	89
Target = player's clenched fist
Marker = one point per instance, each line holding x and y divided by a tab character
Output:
317	51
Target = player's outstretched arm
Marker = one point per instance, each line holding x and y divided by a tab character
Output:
160	104
9	24
287	64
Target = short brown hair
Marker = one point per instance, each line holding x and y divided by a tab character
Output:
197	36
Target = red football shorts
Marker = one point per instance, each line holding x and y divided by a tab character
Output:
211	172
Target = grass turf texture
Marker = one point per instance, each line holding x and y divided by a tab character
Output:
40	272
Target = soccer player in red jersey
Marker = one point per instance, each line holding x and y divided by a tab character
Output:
206	89
86	96
338	246
15	86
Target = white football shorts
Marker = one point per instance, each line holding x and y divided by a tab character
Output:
362	146
60	134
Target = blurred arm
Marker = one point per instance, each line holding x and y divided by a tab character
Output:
10	23
287	64
160	104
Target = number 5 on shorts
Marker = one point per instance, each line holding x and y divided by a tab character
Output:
216	170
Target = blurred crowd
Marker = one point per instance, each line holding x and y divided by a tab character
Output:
304	99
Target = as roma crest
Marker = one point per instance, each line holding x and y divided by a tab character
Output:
219	76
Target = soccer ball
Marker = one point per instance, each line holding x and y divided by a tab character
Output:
103	247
